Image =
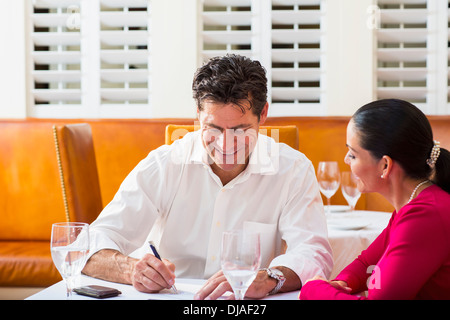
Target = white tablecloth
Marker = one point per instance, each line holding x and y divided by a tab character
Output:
186	288
350	233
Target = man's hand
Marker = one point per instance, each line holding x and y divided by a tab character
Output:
217	285
152	275
148	274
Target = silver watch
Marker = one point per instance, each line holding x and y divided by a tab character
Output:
277	275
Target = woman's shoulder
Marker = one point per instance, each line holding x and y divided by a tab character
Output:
429	210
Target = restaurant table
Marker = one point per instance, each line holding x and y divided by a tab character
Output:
186	290
349	233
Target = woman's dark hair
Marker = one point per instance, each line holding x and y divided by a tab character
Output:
398	129
231	79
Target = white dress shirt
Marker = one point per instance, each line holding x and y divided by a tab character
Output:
173	198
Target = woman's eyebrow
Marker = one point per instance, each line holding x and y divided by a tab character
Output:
348	146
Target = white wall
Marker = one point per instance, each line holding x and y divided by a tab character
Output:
174	56
12	60
349	60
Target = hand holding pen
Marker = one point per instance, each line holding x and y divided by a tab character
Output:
156	254
151	274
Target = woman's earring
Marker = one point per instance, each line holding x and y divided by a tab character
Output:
382	176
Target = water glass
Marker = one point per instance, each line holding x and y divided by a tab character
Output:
329	178
240	259
350	189
69	246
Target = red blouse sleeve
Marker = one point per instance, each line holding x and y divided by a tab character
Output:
357	272
403	258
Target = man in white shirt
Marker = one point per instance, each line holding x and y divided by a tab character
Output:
221	177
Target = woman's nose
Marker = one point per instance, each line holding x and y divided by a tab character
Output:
347	159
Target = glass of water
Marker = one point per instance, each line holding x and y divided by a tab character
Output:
69	247
349	186
329	178
240	259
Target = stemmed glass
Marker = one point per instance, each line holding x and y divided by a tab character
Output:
329	177
349	189
240	259
69	247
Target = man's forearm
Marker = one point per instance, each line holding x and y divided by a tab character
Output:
292	282
110	265
263	284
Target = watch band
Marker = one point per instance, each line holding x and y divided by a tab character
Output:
277	275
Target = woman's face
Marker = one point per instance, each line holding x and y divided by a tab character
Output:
364	166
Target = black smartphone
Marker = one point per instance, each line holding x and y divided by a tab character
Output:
99	292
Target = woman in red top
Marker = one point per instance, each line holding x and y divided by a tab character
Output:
392	152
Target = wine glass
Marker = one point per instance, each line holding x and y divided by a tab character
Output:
350	189
69	247
240	259
329	177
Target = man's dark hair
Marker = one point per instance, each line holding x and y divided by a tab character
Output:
231	79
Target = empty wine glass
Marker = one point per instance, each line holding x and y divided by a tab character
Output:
240	259
349	189
69	247
329	177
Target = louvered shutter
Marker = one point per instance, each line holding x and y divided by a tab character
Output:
227	27
285	35
296	57
90	58
124	55
411	45
56	54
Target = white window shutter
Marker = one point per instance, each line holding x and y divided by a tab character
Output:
285	35
411	45
227	28
124	52
90	58
56	53
296	49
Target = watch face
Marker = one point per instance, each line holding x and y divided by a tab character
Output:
277	273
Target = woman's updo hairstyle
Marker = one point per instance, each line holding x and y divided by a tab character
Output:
398	129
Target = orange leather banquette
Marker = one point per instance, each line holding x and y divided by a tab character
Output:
31	198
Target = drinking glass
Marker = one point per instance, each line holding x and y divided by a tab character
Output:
69	247
329	177
350	189
240	259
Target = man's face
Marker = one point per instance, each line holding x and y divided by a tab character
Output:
228	135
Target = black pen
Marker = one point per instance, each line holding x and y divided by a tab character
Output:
156	254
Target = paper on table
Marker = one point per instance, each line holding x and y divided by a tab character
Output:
185	292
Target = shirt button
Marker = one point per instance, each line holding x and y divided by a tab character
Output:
218	224
213	258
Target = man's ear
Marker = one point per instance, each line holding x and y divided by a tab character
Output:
264	113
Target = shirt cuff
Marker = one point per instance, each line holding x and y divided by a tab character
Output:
99	241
